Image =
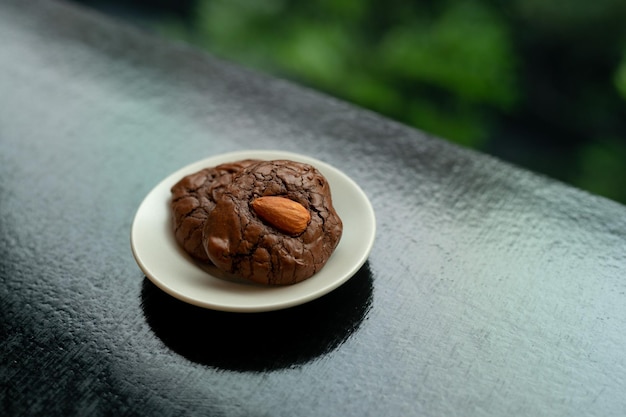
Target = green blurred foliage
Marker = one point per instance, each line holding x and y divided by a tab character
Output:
442	69
498	76
465	50
610	155
581	19
620	76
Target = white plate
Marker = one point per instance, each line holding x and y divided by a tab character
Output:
172	270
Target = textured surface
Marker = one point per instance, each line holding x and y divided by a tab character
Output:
489	291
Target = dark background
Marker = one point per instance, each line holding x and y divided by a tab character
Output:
529	81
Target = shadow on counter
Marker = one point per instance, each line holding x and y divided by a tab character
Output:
259	341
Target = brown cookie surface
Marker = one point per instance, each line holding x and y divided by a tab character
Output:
239	242
192	201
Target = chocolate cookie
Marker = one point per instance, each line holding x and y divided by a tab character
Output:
241	242
193	200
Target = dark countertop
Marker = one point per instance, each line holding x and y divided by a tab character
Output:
490	290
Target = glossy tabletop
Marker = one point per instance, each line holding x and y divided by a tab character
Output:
489	290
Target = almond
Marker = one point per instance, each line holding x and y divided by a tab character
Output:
282	213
